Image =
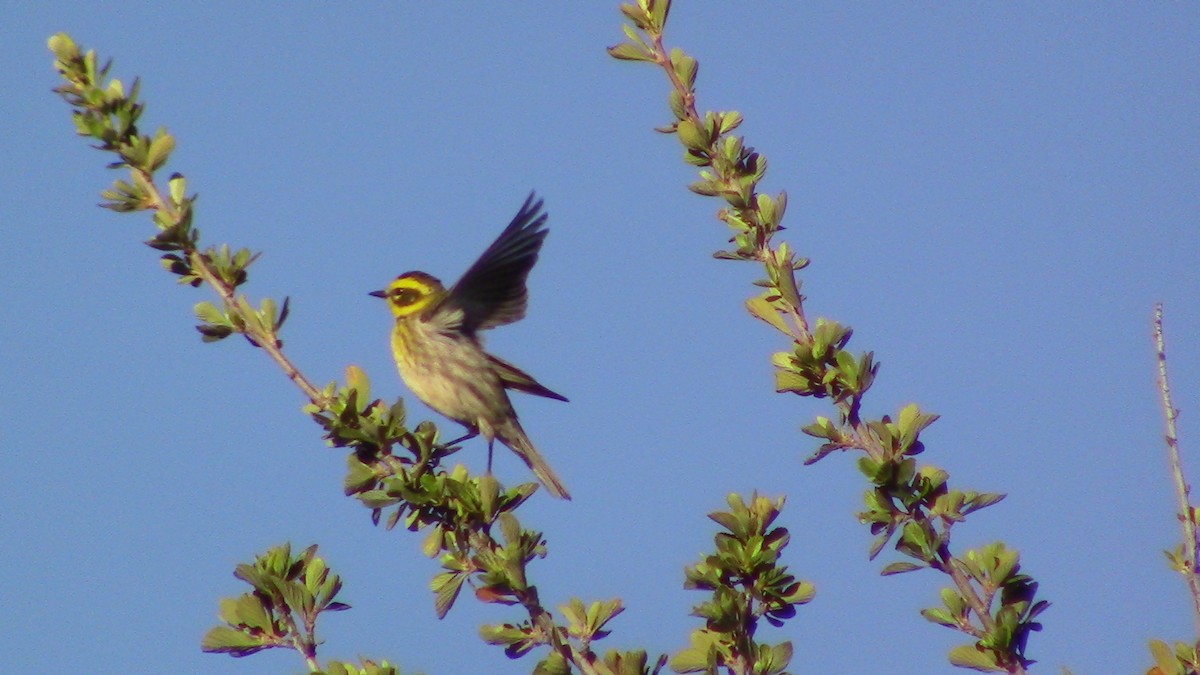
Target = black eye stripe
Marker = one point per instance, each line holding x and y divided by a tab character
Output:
405	296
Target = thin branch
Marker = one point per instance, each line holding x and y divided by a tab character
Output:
266	339
701	136
1182	489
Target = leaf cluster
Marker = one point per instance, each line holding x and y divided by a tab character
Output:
1008	596
748	583
1184	659
103	110
289	593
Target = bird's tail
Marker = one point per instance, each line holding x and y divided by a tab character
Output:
512	435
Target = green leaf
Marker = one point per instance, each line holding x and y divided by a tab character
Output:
315	575
214	333
1164	658
1176	559
800	593
765	207
691	136
823	428
63	47
848	365
518	639
553	664
878	543
700	655
600	613
954	601
208	312
636	14
226	640
778	656
510	527
628	51
939	616
249	612
357	380
434	542
686	68
916	540
358	476
576	616
981	500
705	188
678	107
489	495
446	587
968	656
760	308
631	33
789	289
912	421
822	452
900	568
267	311
659	10
787	380
178	188
160	150
730	121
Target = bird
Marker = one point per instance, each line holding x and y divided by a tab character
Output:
440	356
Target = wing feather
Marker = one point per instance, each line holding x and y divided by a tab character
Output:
513	377
492	292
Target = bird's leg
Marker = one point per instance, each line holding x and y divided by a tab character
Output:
471	433
490	441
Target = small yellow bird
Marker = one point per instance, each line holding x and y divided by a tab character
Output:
440	356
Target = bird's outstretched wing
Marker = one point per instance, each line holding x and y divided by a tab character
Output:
492	292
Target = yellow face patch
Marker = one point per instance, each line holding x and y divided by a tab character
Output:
411	292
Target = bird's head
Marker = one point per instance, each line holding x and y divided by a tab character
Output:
411	292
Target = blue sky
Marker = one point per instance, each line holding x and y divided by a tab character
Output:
993	194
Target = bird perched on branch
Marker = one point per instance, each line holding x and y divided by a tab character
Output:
440	356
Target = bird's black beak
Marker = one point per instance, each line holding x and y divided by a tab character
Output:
378	294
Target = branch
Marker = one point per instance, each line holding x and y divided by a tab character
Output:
908	503
1184	559
392	468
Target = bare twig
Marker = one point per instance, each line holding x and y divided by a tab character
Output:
1187	512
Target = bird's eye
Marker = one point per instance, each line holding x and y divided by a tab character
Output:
405	296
